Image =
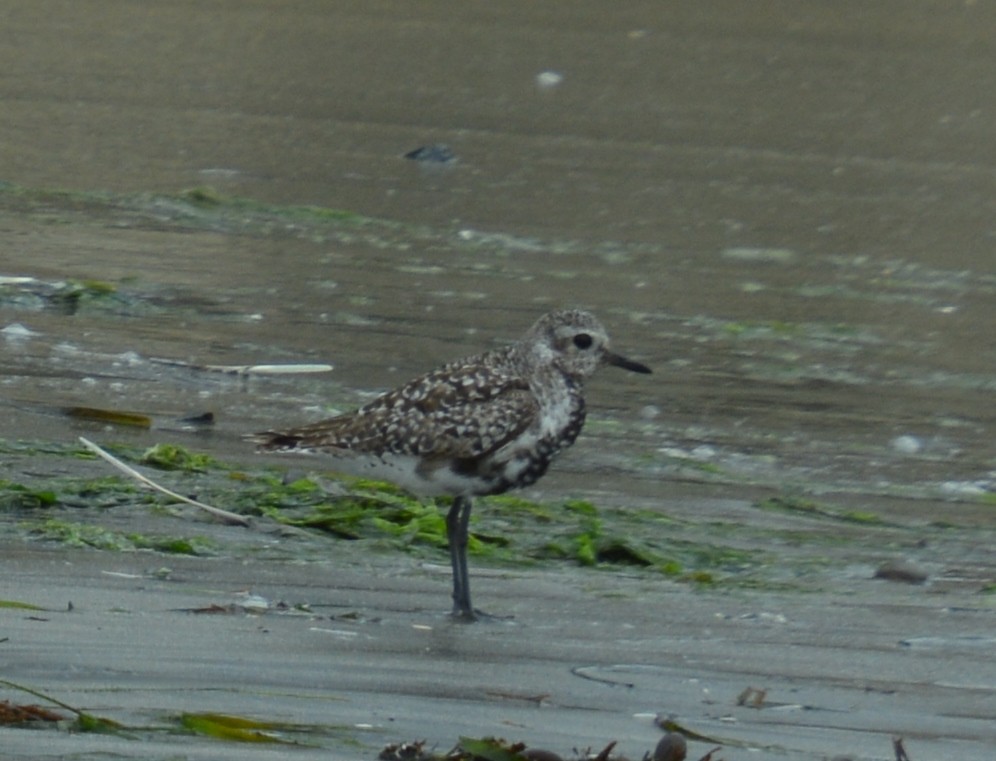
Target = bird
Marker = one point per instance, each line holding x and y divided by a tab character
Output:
475	426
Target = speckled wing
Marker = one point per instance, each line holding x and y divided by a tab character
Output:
459	411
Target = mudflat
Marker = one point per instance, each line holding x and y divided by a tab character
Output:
781	541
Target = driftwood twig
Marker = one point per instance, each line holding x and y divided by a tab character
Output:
217	512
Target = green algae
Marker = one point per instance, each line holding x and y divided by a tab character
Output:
18	605
233	728
84	722
66	493
815	509
15	496
507	530
74	534
220	726
174	457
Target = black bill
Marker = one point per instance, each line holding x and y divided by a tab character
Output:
626	364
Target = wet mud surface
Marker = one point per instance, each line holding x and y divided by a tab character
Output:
786	212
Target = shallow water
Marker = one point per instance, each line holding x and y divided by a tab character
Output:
788	212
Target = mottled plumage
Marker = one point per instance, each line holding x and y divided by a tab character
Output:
480	425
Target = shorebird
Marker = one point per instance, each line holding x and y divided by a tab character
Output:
476	426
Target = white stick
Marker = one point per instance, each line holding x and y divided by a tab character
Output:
248	369
227	517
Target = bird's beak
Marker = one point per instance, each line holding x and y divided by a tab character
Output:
625	364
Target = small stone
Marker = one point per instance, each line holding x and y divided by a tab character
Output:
437	153
672	747
547	79
17	332
749	254
703	452
900	570
538	754
907	444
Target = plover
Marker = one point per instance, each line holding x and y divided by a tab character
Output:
476	426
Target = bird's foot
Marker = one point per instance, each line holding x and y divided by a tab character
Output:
471	615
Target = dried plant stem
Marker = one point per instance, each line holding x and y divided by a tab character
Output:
224	515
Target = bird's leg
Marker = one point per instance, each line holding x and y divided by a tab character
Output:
457	522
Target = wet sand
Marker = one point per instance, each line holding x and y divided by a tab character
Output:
588	658
787	211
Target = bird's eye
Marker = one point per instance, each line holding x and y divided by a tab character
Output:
583	341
